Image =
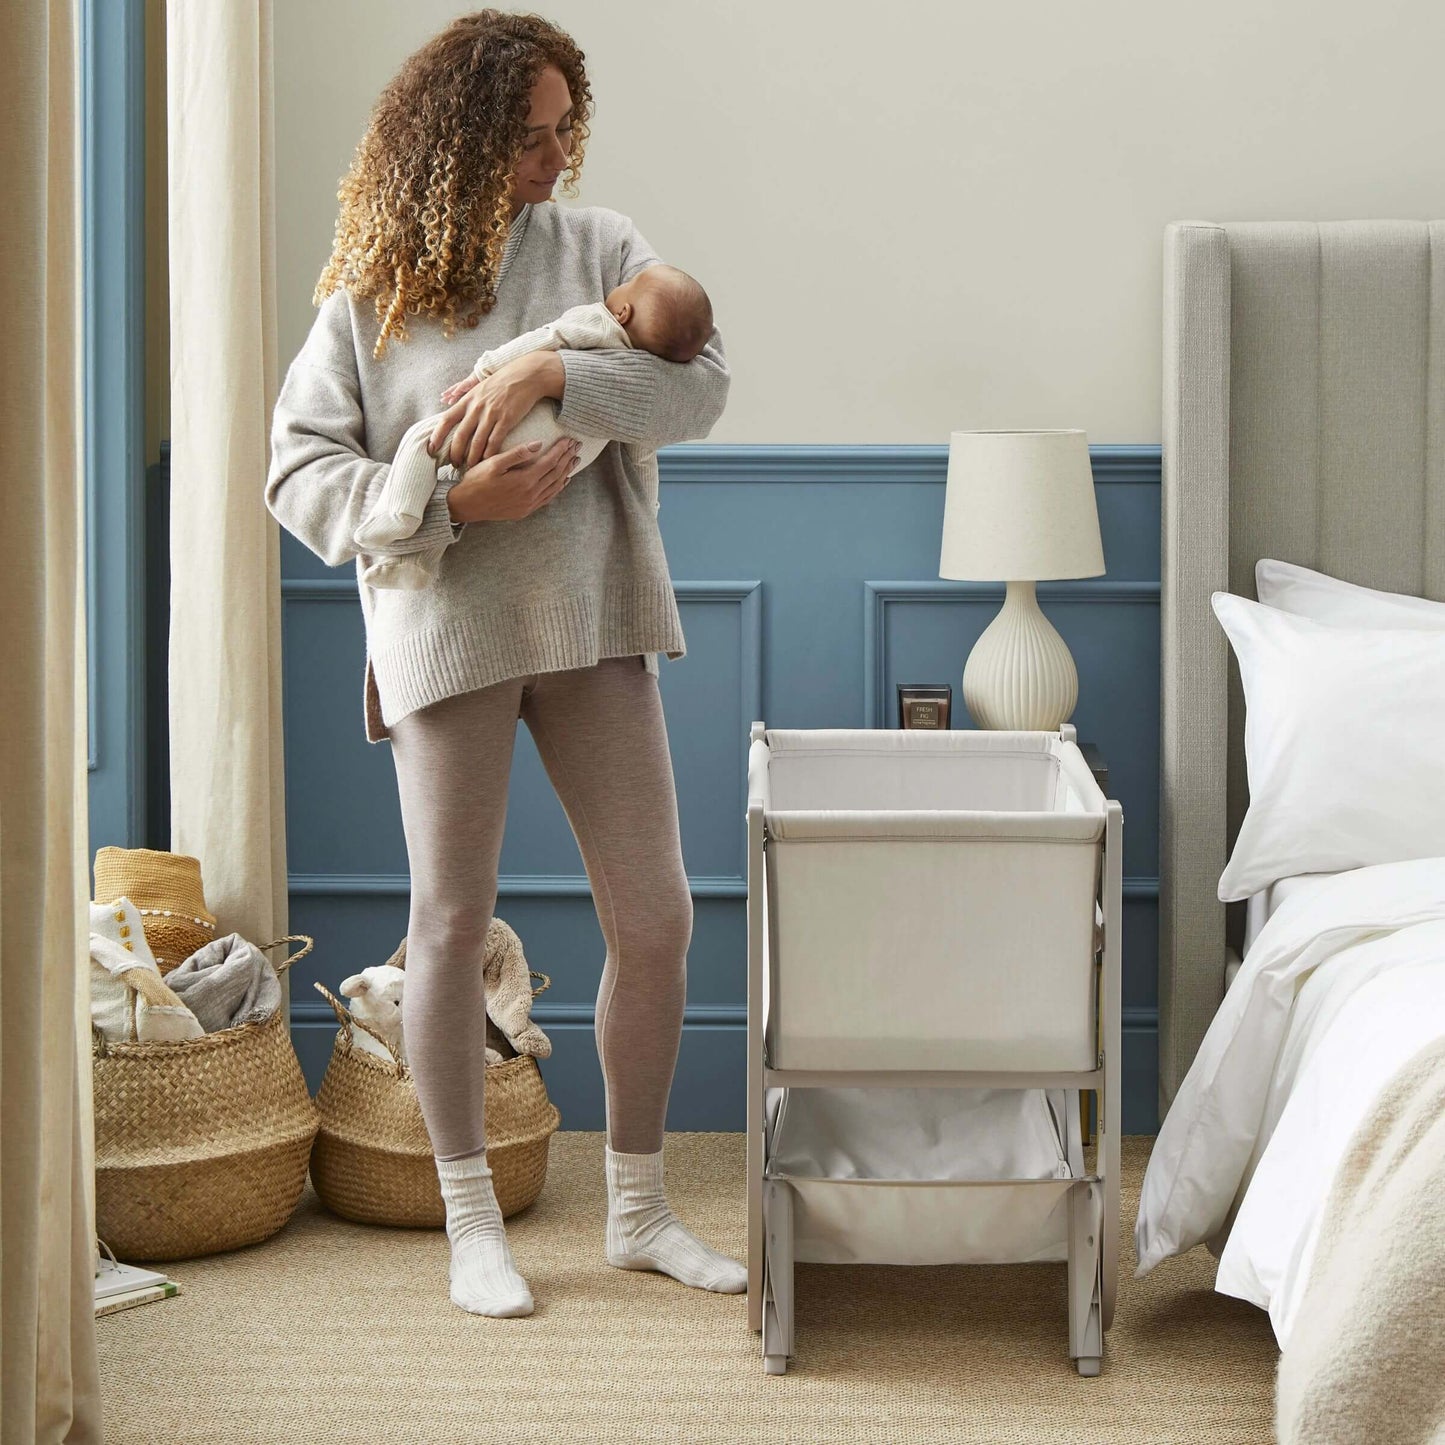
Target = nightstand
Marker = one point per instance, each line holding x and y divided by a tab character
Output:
1097	765
1088	1098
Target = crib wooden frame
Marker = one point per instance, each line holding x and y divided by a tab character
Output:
1093	1196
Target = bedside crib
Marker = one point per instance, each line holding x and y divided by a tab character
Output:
933	976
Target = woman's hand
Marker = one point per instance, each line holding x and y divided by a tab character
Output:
487	413
514	483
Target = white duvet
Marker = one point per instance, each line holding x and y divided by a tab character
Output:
1342	986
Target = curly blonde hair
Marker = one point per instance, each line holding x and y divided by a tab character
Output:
426	204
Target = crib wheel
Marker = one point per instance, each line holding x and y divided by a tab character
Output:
1088	1365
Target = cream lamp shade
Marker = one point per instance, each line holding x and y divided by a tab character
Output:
1019	508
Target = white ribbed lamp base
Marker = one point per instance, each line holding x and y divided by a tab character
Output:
1020	674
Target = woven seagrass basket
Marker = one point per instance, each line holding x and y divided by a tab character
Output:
201	1145
372	1160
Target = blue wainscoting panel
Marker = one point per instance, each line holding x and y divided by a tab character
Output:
807	580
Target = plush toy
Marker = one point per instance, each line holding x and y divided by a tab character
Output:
509	991
377	998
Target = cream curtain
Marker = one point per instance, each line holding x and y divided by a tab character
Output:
227	800
49	1371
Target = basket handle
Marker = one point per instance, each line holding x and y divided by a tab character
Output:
302	938
546	982
156	991
349	1021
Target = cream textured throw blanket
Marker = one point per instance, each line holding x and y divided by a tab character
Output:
1365	1364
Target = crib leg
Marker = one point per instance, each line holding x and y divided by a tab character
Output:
1086	1332
778	1275
775	1357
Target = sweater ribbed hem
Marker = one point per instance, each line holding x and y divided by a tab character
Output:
490	646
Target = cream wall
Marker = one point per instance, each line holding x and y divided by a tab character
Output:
925	216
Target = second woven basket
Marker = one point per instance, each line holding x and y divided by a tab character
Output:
372	1160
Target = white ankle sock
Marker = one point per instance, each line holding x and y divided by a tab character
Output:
484	1278
644	1233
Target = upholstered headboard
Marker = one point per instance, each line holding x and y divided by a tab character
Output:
1304	419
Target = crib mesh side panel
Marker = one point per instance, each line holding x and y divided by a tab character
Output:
931	954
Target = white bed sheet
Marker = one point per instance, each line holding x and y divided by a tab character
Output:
1366	1017
1340	988
1260	906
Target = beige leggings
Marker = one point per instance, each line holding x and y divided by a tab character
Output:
601	736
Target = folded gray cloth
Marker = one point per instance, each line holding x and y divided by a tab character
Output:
227	982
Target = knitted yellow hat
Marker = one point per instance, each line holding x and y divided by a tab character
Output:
166	891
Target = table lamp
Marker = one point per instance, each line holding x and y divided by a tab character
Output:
1019	508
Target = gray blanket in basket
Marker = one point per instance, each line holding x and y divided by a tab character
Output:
227	982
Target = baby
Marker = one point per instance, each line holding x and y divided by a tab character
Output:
661	310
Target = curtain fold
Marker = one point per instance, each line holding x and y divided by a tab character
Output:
49	1369
226	768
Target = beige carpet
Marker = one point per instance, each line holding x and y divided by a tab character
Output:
333	1331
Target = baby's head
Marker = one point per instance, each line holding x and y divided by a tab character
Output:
664	311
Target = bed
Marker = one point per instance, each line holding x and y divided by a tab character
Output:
1304	375
1304	433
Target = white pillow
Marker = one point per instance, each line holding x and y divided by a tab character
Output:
1342	604
1342	744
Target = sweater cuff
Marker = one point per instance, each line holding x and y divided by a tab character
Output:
436	528
436	520
607	393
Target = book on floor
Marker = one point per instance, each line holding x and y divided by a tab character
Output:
127	1298
118	1286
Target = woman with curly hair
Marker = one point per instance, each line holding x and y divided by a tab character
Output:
550	602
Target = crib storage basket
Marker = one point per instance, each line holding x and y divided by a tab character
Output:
373	1162
933	978
201	1144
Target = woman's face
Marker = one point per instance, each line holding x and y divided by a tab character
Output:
549	141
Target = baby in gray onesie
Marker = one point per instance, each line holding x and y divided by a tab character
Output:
660	310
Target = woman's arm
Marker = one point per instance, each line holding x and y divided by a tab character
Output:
321	482
579	326
637	397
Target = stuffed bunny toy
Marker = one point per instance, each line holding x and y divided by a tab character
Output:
377	1001
377	995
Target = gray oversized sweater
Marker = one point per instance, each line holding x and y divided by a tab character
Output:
583	577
